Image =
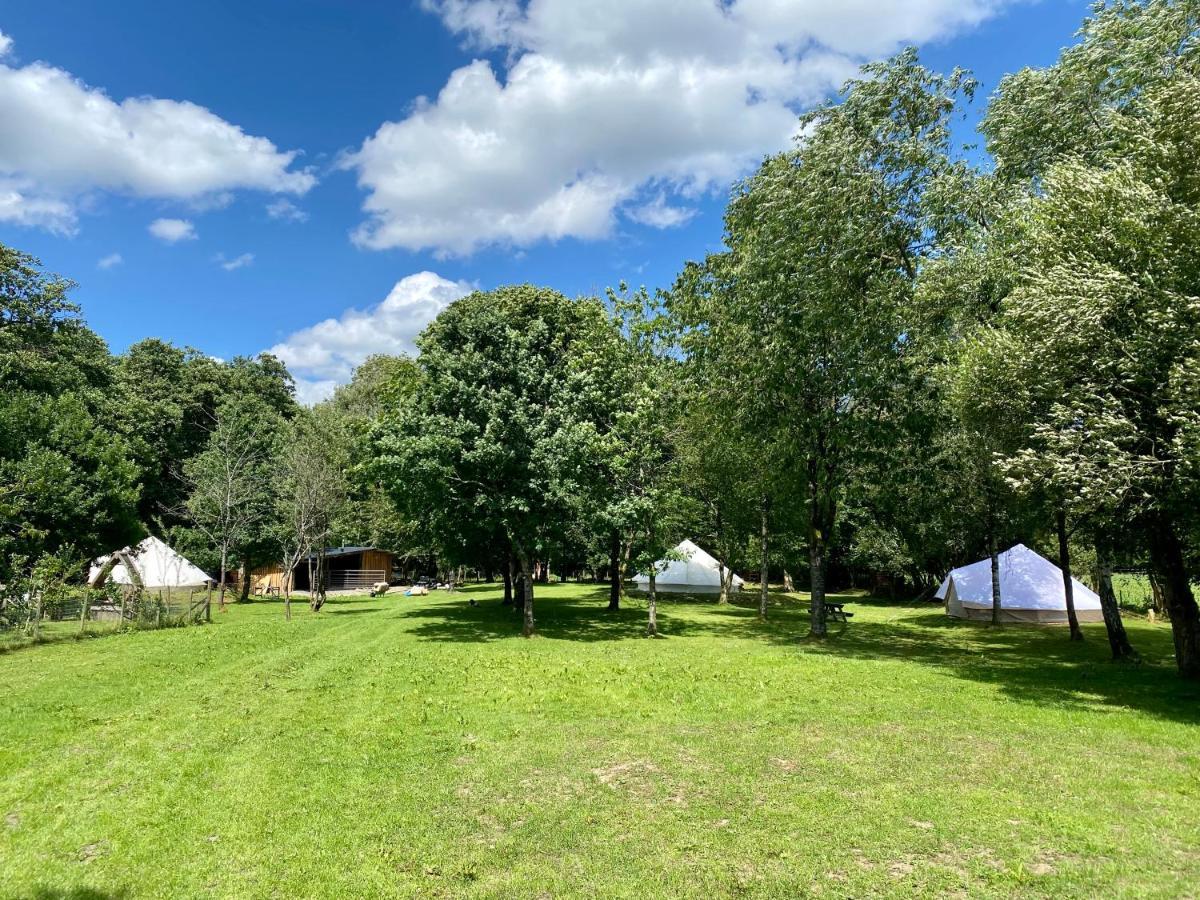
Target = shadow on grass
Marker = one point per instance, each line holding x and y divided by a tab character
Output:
76	893
1030	664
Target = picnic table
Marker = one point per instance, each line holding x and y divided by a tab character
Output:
836	611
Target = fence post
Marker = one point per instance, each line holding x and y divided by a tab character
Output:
83	611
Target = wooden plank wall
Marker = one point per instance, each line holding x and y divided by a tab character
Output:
377	559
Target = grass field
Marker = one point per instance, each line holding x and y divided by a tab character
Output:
417	747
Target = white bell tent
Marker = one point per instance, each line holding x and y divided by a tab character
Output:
1031	591
160	568
697	573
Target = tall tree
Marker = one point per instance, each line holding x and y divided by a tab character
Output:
309	491
500	437
67	481
641	446
229	482
1105	298
825	245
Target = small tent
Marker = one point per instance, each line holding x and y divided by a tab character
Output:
696	573
160	568
1031	591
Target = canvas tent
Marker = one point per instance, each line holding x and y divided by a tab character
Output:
696	573
1031	591
160	568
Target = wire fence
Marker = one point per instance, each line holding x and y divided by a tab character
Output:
72	612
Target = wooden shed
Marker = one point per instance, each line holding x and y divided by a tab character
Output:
346	569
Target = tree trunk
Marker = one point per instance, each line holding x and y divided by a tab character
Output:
319	596
1118	640
994	555
1156	596
526	594
763	549
652	606
626	552
224	564
40	610
787	581
508	582
614	571
816	559
1064	563
1166	555
245	592
724	595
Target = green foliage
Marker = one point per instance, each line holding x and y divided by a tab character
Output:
368	517
499	441
66	480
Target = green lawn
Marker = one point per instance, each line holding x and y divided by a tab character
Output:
416	747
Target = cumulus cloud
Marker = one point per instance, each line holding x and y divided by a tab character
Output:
325	355
110	261
660	214
172	231
603	104
21	203
285	210
62	138
238	262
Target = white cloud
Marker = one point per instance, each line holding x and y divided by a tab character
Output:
110	261
286	211
659	214
63	139
22	204
310	393
172	231
605	101
325	355
237	262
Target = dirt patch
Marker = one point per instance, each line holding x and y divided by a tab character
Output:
13	820
634	775
91	852
1047	862
900	869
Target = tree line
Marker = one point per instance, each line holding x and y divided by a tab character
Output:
906	355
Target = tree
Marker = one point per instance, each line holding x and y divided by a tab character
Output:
229	482
67	483
640	447
309	490
499	438
717	470
368	517
825	246
989	400
1105	297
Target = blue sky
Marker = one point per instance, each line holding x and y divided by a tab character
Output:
561	143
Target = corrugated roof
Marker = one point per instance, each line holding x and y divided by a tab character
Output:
331	552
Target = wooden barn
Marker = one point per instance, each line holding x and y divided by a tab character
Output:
346	569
